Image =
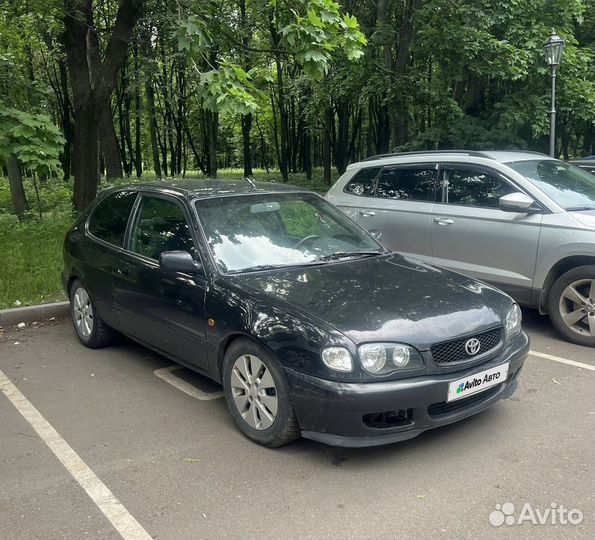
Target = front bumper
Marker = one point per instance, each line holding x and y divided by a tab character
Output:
340	414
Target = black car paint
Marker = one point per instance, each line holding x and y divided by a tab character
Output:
295	312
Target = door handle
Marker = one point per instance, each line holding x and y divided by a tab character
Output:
443	221
366	213
122	271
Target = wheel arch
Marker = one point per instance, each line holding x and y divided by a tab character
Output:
559	268
226	342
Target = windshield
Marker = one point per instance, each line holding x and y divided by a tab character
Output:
251	232
570	186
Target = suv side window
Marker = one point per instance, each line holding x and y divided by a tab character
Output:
160	225
363	182
109	219
468	187
407	183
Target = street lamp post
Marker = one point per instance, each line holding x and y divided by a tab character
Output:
553	55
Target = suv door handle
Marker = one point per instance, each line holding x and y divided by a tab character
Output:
123	271
443	221
366	213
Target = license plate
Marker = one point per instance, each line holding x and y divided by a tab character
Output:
478	382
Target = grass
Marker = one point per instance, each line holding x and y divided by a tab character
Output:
31	260
31	252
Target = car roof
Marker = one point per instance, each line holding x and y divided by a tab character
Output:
502	156
197	188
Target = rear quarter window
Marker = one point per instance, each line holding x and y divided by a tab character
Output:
109	218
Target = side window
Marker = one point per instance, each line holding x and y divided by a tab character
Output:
363	182
109	219
407	183
160	225
473	188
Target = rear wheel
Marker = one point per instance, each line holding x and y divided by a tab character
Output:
257	394
571	305
89	326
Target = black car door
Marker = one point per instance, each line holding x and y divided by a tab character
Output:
161	308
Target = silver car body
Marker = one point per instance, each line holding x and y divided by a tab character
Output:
522	253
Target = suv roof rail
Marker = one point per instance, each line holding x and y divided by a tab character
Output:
418	152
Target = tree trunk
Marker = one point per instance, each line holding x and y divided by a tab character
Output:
17	191
86	162
153	127
342	145
212	127
66	121
406	33
327	144
138	159
246	127
382	114
109	144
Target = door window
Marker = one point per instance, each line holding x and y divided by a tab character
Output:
407	183
160	226
468	187
109	219
363	182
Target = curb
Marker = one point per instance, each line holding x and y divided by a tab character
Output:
28	314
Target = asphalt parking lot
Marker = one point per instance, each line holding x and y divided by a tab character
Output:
174	466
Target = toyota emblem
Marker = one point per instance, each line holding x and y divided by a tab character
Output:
472	346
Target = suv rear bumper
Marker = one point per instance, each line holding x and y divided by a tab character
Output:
333	413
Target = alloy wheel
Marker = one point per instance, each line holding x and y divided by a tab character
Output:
577	307
83	312
254	392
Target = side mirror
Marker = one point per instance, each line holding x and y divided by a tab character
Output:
178	261
518	202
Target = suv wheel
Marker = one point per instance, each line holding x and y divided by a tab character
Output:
89	326
257	395
571	305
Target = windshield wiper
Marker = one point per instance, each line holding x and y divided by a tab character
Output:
577	208
346	254
258	268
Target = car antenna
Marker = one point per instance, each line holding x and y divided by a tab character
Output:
249	180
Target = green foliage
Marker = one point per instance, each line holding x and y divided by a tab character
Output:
313	37
32	260
32	138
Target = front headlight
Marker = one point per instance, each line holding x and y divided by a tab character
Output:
513	321
337	359
385	358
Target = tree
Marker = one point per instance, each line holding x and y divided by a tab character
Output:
93	81
29	142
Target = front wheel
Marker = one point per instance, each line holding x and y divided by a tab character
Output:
571	305
257	394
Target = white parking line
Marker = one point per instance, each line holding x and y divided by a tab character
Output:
167	375
562	360
112	508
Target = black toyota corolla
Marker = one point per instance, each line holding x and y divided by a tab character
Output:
310	325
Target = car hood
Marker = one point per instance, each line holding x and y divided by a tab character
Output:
585	217
386	298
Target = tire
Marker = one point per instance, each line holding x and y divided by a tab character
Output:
257	395
571	305
88	325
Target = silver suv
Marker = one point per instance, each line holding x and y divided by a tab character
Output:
522	221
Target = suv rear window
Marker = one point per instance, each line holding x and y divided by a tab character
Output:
363	182
109	219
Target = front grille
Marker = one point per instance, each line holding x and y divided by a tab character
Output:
443	407
453	351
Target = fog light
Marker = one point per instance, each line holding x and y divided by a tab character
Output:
400	355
